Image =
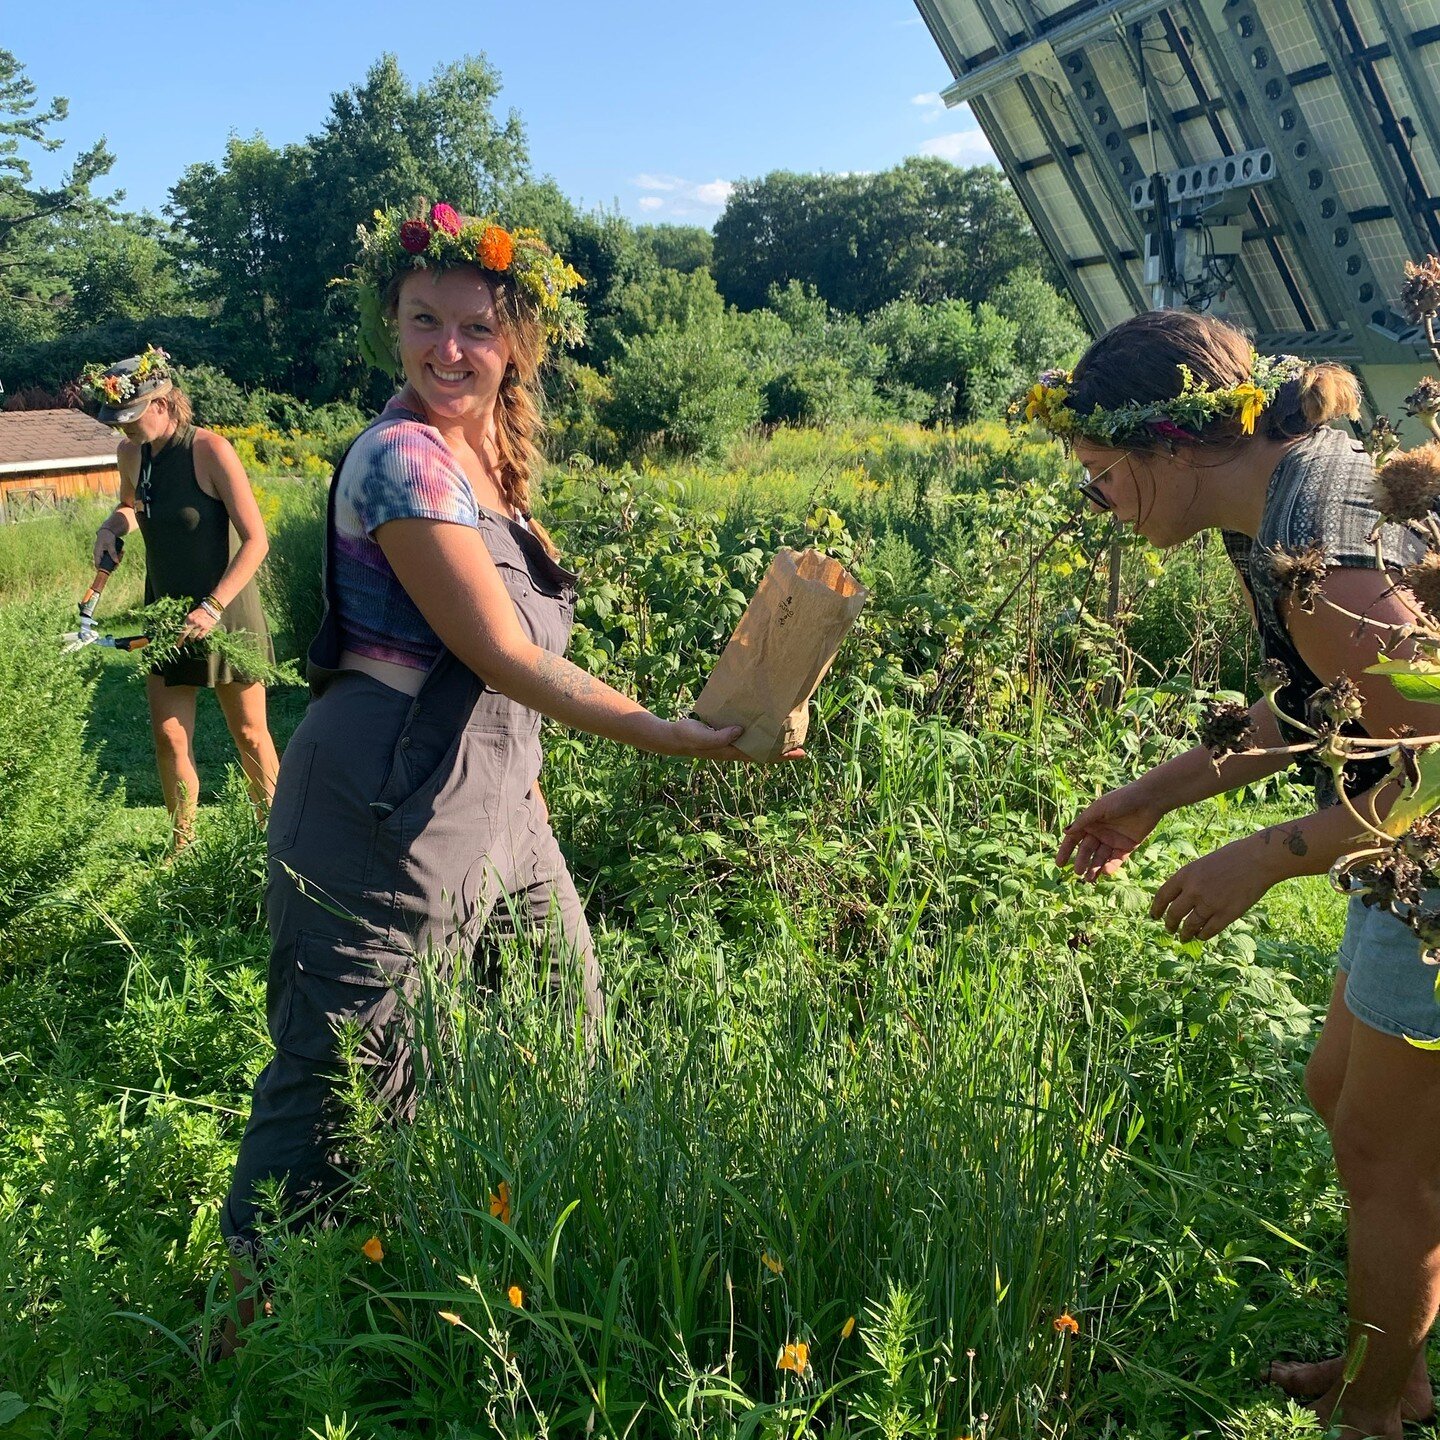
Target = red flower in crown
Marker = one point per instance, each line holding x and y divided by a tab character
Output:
445	217
414	236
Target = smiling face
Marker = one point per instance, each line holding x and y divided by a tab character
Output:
452	348
1154	494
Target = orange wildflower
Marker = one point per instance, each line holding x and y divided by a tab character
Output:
372	1249
1067	1324
794	1357
500	1203
496	249
516	1296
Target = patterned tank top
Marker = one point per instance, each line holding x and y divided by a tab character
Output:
1320	494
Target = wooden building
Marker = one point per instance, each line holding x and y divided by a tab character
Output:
48	457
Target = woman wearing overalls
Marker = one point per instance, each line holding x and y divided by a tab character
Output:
408	802
186	490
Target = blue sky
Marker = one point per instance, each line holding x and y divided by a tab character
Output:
655	108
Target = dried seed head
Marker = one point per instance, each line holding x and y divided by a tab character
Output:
1341	702
1300	572
1381	439
1274	677
1421	844
1422	579
1225	727
1420	294
1407	485
1424	399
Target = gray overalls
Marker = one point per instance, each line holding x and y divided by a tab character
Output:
416	819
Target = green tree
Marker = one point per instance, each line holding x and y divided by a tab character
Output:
274	227
690	391
926	228
1049	329
650	301
124	267
678	247
961	361
814	364
34	282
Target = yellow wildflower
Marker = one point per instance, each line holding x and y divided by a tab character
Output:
848	1328
500	1203
774	1266
794	1357
516	1296
372	1249
450	1316
1251	401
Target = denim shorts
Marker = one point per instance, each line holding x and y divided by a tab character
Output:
1388	985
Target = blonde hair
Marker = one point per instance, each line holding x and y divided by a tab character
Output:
177	402
518	422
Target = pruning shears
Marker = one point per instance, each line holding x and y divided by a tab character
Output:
88	633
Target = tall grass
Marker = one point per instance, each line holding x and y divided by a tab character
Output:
869	1054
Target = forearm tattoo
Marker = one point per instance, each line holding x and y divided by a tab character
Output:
566	678
1293	836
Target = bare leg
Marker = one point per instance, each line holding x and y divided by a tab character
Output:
1384	1137
244	709
1324	1083
172	724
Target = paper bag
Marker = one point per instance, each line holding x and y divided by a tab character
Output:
785	641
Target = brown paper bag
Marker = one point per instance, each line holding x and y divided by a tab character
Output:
785	642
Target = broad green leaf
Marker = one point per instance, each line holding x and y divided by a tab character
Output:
1414	679
1421	797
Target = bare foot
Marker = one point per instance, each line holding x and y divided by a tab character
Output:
1344	1423
1302	1380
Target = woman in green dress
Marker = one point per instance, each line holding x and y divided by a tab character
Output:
185	490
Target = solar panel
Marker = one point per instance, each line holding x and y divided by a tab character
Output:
1083	100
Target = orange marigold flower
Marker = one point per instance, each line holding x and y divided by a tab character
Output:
496	249
794	1357
372	1249
1067	1324
848	1328
516	1296
500	1202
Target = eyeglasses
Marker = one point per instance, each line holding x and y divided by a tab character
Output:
1091	491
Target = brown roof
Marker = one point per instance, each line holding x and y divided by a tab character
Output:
45	435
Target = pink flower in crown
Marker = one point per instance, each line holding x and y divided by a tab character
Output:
445	217
1168	430
414	236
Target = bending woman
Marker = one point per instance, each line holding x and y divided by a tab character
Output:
408	800
186	490
1171	460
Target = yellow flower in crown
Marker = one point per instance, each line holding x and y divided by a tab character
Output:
1249	400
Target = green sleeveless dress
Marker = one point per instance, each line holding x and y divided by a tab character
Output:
187	549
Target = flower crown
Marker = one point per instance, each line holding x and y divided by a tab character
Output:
103	387
442	237
1183	417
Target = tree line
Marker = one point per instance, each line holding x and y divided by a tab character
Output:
918	293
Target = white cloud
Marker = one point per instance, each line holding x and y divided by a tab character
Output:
932	105
963	147
682	199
